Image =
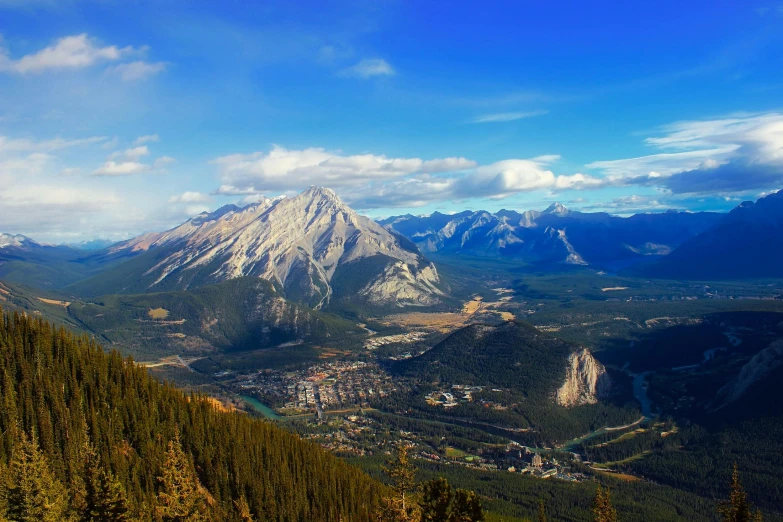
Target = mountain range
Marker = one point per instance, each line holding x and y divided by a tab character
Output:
556	235
745	243
317	251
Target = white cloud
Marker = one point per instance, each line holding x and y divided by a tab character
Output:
368	68
70	52
190	197
149	138
132	154
501	117
506	177
284	169
729	155
162	161
137	70
9	145
690	145
130	161
664	164
121	168
230	190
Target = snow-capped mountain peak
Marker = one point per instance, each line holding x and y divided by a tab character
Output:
15	240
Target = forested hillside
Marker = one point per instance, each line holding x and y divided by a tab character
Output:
87	435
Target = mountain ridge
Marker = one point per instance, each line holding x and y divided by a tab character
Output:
299	244
555	235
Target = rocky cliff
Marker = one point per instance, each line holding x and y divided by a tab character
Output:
586	381
758	368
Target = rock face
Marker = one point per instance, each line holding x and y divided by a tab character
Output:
758	368
556	235
586	381
298	244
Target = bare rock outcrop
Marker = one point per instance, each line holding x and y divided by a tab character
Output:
759	367
586	380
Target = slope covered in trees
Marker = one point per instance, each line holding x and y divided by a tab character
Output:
105	441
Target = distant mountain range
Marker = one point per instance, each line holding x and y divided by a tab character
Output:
556	235
316	250
745	243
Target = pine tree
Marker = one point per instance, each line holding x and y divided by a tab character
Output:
437	497
403	475
181	497
738	508
243	509
105	498
541	511
467	507
33	493
603	511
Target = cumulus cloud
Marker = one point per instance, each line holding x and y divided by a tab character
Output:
373	181
369	68
131	161
190	197
284	169
137	70
70	52
501	117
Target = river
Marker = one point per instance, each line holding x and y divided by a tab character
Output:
260	407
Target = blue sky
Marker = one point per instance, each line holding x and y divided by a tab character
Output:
122	117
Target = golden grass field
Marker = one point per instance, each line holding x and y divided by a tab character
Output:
158	313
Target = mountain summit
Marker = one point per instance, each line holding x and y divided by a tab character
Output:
305	245
558	209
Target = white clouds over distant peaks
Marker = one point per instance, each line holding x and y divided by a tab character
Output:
733	154
368	68
372	181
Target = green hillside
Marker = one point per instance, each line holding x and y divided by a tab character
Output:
88	432
240	314
520	370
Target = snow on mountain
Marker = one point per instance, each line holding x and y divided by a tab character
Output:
15	240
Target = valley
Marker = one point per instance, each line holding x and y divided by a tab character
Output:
560	374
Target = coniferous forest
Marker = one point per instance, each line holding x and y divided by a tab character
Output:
88	436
